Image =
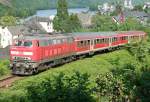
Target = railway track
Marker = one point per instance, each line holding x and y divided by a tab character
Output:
7	82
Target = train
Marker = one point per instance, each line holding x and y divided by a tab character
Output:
31	54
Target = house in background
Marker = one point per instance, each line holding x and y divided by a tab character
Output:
85	19
8	34
40	24
128	4
119	19
106	8
140	16
146	5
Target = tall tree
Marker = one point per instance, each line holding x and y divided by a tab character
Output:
62	18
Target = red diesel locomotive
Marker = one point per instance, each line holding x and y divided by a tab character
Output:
32	53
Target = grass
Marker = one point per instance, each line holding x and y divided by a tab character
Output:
95	65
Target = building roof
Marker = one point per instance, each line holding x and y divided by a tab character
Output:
6	3
34	26
17	30
137	14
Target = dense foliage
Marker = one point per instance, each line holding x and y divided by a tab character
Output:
62	88
105	23
63	22
4	67
8	21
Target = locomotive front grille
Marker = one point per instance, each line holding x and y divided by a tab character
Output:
16	58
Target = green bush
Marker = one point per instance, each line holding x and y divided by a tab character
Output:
62	88
4	67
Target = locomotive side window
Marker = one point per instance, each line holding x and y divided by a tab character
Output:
43	43
58	41
50	42
54	41
64	40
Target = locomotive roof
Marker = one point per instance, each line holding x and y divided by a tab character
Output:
43	36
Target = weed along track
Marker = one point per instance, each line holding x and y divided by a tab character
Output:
7	82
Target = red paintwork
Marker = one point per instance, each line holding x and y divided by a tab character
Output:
54	51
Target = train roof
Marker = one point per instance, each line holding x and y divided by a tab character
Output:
89	35
105	33
79	35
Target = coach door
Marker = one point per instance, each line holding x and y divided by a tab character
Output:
91	45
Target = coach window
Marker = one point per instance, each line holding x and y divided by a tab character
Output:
123	38
88	42
79	43
84	43
98	41
105	40
114	39
102	40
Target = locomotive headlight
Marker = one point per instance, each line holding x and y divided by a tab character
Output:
14	52
28	53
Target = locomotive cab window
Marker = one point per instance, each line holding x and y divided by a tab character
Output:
23	43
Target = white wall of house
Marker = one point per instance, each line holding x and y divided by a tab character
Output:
128	4
0	37
48	26
6	37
